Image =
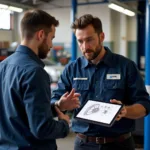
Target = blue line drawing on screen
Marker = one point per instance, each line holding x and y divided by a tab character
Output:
92	109
106	109
97	108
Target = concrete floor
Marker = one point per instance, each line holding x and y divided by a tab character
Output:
68	142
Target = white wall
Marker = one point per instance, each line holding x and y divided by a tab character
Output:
132	28
111	21
11	35
6	35
18	26
101	11
116	25
16	36
63	32
123	29
115	32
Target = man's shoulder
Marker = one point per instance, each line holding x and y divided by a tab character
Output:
121	59
20	62
79	60
75	64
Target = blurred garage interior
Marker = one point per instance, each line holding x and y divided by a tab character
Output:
125	35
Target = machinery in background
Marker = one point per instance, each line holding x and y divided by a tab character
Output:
7	49
53	69
4	45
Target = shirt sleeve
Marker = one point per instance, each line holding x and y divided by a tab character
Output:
36	88
136	87
64	85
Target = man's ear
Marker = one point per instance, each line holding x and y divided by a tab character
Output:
40	35
102	36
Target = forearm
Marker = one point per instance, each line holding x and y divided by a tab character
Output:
53	110
135	111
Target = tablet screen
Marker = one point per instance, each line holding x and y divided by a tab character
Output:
99	112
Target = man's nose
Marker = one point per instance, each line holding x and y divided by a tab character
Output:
86	46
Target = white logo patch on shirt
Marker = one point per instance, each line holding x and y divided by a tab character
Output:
113	76
80	78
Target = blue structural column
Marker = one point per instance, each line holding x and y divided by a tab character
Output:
74	43
147	75
141	34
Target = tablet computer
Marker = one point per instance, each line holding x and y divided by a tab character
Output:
98	112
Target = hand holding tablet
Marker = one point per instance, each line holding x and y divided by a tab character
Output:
100	113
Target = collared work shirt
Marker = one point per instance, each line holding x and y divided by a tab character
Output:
114	77
26	119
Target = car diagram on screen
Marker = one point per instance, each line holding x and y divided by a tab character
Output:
98	112
97	108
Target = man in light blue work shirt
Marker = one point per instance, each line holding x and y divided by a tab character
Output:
26	116
102	76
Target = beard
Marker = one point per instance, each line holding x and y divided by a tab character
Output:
91	54
43	50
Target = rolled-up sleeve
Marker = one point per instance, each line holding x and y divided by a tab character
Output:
36	88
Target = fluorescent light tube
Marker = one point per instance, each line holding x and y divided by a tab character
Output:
16	9
12	8
129	12
116	7
2	6
121	9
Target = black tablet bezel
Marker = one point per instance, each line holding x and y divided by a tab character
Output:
96	122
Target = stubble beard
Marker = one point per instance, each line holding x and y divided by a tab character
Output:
43	51
94	53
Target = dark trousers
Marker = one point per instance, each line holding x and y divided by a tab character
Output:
81	144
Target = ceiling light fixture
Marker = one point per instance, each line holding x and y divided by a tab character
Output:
2	6
11	8
122	8
16	9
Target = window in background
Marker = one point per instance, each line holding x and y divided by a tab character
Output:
5	19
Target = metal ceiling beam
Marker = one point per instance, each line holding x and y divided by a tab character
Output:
24	1
105	1
93	3
10	3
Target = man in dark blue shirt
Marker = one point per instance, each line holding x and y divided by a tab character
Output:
103	76
26	117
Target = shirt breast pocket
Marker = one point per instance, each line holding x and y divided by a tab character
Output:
114	85
81	85
114	89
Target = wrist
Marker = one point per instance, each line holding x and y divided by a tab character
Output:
57	104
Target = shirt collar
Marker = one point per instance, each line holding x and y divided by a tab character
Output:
107	59
28	51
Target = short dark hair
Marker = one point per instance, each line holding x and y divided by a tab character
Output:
86	20
35	20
